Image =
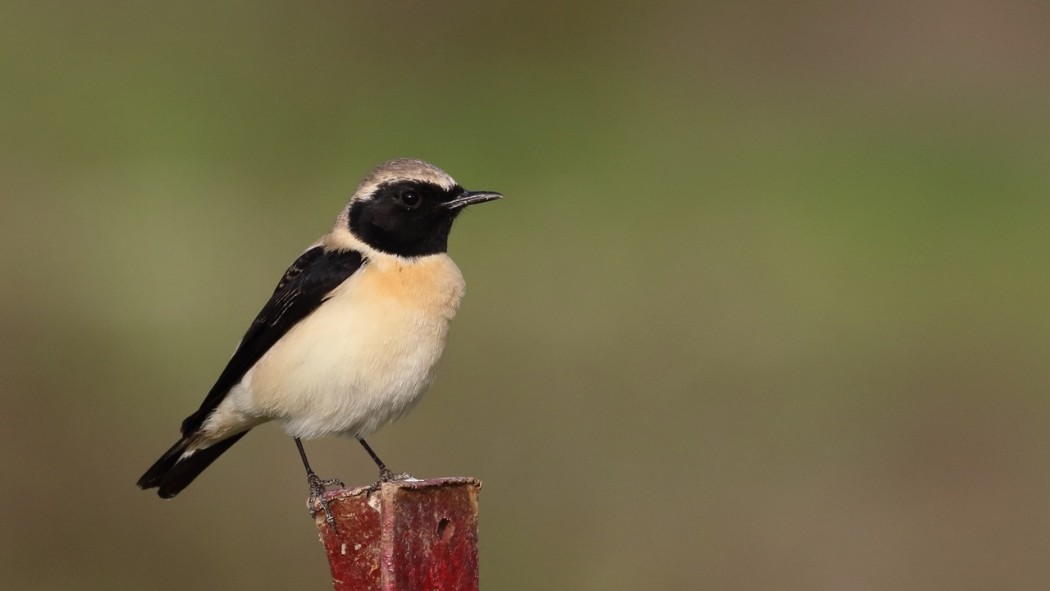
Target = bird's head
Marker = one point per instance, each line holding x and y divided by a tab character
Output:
406	207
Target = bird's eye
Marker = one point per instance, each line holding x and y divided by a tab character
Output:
409	198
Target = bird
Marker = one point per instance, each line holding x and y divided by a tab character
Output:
351	336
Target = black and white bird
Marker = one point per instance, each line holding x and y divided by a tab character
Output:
351	335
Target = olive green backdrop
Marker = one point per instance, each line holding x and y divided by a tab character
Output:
765	306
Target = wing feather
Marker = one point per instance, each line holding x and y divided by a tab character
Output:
303	288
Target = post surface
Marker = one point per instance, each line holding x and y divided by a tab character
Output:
414	534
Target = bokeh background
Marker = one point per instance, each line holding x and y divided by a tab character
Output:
765	306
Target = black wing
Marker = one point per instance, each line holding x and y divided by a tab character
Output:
304	287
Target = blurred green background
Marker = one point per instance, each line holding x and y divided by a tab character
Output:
765	306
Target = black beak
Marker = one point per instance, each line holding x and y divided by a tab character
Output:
470	198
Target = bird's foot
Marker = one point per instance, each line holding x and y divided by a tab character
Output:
318	488
388	475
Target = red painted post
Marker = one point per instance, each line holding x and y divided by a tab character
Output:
420	534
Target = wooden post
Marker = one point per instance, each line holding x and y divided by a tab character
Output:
413	534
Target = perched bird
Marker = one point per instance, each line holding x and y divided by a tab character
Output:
351	335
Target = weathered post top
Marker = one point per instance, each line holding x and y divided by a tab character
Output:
411	534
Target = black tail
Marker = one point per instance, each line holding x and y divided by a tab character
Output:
169	475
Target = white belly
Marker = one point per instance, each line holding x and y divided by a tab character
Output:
363	358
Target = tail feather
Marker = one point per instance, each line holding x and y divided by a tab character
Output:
171	473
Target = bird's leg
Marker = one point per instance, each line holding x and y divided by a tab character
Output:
385	474
318	486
